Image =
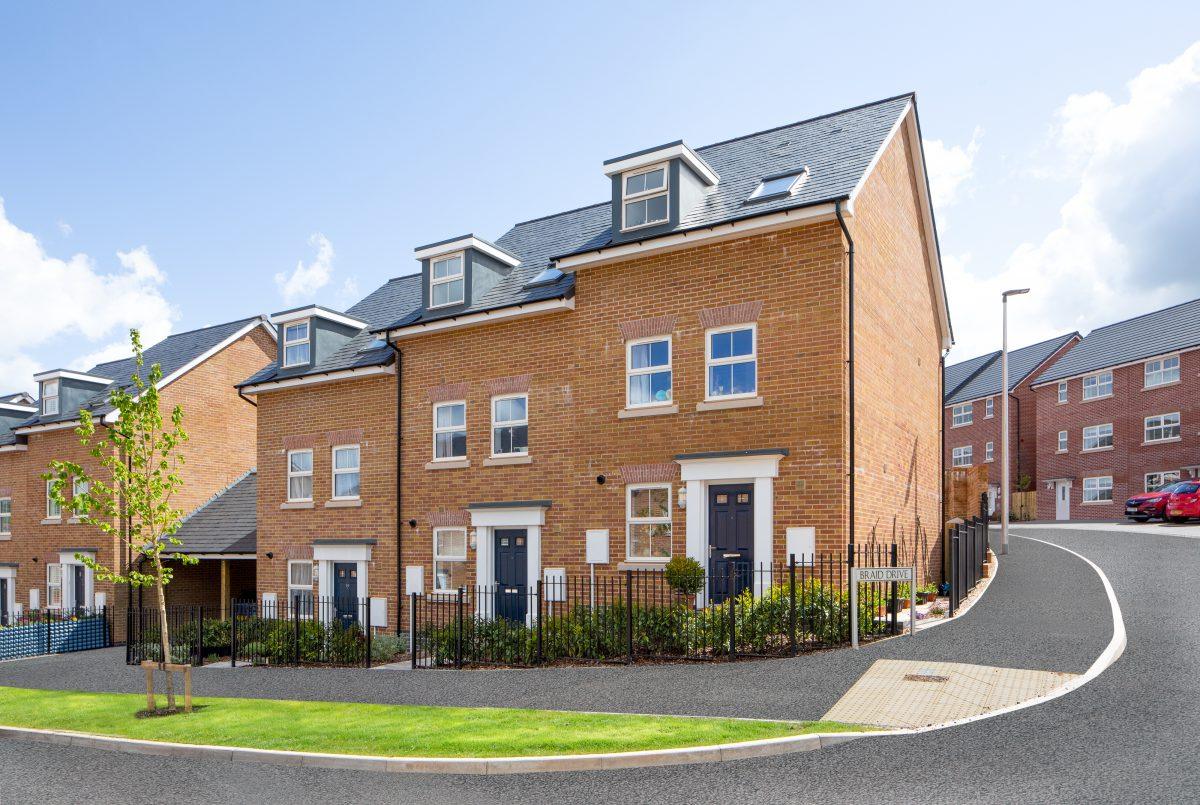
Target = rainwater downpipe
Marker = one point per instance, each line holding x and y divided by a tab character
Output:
399	517
850	359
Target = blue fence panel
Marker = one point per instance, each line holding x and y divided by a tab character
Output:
54	633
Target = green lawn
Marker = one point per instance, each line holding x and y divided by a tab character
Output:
380	729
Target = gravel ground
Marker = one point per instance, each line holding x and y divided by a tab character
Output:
1127	736
1016	624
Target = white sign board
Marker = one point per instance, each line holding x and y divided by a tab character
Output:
801	543
597	546
862	575
414	579
379	613
554	583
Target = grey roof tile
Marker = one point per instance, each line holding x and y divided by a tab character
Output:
1157	333
227	523
172	353
985	379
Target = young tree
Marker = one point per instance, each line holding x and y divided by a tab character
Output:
130	499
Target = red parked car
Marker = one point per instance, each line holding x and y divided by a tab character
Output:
1184	502
1148	505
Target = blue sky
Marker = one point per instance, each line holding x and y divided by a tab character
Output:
173	167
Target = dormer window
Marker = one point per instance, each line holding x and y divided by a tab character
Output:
447	285
297	346
49	397
645	197
784	184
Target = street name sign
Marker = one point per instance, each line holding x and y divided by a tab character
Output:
887	575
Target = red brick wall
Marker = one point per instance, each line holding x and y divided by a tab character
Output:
1129	460
221	429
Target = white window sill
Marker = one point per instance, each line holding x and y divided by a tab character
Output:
1094	399
296	504
343	503
961	425
505	461
1097	449
643	564
5	537
52	521
1163	441
725	405
1061	452
448	464
74	521
1097	502
961	466
1162	385
649	410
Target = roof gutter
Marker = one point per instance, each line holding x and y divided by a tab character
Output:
837	209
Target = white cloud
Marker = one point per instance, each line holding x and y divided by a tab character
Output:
58	298
304	282
949	168
65	229
1126	240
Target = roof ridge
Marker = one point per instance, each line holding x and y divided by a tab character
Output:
910	94
988	364
218	494
1143	315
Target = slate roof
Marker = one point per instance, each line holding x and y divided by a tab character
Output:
981	377
836	148
172	353
17	398
1163	331
226	524
396	298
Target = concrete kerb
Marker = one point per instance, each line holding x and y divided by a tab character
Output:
560	763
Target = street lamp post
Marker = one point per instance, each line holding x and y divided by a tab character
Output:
1004	484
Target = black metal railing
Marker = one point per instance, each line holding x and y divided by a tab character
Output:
775	610
196	632
54	631
309	631
968	546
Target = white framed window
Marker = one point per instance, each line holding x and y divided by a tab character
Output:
648	372
963	414
299	475
644	197
648	521
1162	371
1098	490
1062	441
1157	480
1062	391
54	585
780	185
49	397
53	509
449	559
79	488
346	475
450	430
300	587
6	516
1097	437
989	407
1097	386
962	456
731	357
510	425
447	281
1162	428
989	451
297	345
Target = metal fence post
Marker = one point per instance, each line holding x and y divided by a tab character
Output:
232	634
200	635
540	588
129	635
729	594
954	562
892	602
629	615
458	631
792	604
412	632
367	659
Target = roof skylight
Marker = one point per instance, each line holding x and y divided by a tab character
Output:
547	276
783	184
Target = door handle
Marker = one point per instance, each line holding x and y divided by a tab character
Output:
731	555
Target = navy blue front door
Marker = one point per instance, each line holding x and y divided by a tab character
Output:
345	592
730	539
79	586
3	602
511	572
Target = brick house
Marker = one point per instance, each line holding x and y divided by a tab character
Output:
666	372
1119	414
972	413
200	368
